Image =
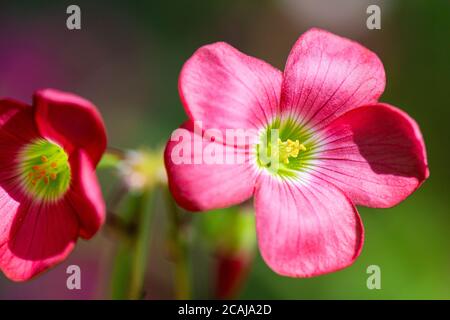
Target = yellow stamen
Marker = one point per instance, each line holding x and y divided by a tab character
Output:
289	148
44	158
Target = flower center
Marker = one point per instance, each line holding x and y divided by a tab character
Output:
44	170
288	149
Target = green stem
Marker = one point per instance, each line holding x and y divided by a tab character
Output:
141	244
180	251
131	259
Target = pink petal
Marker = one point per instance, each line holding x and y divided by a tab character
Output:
201	186
376	154
327	75
226	89
34	237
8	207
85	195
306	227
71	121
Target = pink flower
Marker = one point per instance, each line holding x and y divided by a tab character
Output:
49	193
338	147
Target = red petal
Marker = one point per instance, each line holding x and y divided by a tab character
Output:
17	128
16	122
85	195
71	121
35	237
376	154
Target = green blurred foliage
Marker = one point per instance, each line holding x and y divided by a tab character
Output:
231	230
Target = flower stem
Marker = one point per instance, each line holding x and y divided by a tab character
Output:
179	247
131	259
141	244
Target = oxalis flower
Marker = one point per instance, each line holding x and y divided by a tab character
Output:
337	147
49	193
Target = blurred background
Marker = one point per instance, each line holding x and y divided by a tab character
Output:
126	59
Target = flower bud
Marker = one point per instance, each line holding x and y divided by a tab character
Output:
231	235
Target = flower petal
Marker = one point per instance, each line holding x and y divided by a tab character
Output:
204	185
226	89
9	205
16	129
306	228
326	76
16	122
376	154
71	121
34	237
85	195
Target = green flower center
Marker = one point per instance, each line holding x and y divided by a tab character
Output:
286	148
44	170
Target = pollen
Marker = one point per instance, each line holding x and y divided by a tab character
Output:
289	149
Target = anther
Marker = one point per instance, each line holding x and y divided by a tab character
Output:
289	149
